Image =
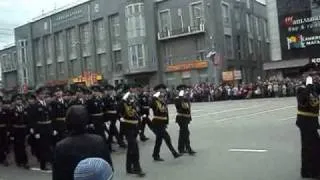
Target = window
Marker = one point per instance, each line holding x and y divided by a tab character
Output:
168	54
88	66
165	21
117	61
250	44
239	46
248	23
197	14
265	30
136	55
226	14
100	36
47	41
135	21
228	46
25	75
115	32
22	50
50	72
72	44
85	39
37	52
15	59
256	25
248	4
61	68
59	46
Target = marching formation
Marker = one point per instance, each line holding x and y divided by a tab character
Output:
119	113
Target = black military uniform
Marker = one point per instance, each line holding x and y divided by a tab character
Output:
4	132
111	114
43	130
307	122
144	102
130	121
183	119
19	132
31	114
96	106
79	99
59	111
160	122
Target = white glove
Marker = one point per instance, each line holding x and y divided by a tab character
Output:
144	116
122	119
55	133
31	131
12	138
37	136
91	126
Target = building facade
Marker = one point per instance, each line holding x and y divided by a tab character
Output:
169	41
9	67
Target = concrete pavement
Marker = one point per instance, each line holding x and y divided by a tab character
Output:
246	140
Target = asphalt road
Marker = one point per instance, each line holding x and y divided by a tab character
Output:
244	140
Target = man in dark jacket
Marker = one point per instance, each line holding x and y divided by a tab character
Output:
78	146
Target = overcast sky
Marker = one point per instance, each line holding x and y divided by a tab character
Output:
17	12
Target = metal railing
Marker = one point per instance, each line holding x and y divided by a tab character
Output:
174	33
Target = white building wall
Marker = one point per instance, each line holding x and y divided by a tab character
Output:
275	47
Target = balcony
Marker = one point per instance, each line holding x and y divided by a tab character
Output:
176	33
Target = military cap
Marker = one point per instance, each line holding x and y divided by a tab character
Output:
96	88
109	87
42	89
182	87
310	67
30	95
16	97
160	87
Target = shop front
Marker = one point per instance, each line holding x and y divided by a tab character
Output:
188	73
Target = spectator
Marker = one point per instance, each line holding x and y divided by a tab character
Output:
93	169
78	146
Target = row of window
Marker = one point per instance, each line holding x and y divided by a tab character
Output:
258	26
9	62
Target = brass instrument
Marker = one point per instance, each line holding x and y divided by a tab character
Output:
130	111
161	107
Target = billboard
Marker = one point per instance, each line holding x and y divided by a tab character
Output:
299	27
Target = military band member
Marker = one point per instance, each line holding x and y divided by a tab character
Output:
130	120
43	130
160	122
59	110
183	119
19	132
31	109
144	101
4	132
307	122
111	114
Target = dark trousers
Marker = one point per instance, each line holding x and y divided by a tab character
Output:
145	121
184	140
310	143
3	144
44	149
100	128
20	152
114	132
61	128
162	134
133	157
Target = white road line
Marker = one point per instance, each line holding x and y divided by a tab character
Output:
253	114
39	170
248	150
288	118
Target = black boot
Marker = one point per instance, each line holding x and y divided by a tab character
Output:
176	155
140	173
191	152
158	159
143	138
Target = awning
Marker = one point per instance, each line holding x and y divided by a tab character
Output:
285	64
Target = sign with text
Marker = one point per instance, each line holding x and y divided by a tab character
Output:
185	66
299	25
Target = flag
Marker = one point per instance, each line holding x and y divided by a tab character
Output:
217	59
210	54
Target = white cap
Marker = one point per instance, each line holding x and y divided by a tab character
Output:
181	93
309	80
157	94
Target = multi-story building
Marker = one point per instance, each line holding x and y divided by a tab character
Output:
9	67
148	42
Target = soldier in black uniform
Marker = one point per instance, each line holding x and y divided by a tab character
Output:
79	98
59	110
144	102
183	119
43	131
111	114
4	132
19	132
160	122
96	106
130	120
31	114
307	122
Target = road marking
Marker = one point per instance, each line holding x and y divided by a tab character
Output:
253	114
39	170
288	118
248	150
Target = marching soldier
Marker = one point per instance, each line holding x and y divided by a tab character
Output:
95	106
79	98
31	109
59	110
307	122
145	112
183	119
111	114
4	132
19	132
130	120
160	122
43	130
